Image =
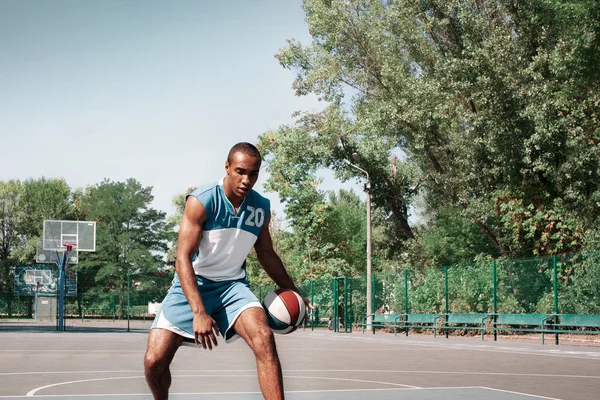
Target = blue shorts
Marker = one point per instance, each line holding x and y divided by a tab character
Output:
224	301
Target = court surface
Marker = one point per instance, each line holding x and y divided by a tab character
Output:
317	365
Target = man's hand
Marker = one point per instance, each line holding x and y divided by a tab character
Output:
309	306
205	330
308	303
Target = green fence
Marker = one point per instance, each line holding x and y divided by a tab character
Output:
81	308
556	284
14	306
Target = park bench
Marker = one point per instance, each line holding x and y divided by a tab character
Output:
418	321
470	321
518	322
382	321
573	323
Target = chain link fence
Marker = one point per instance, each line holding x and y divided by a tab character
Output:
567	283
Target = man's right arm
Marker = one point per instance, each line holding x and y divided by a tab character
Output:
188	242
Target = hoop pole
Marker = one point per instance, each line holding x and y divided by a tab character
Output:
61	291
37	289
62	266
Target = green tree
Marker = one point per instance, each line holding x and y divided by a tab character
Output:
173	222
131	240
347	229
42	199
491	106
10	239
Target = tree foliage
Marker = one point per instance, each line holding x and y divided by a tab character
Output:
487	110
10	239
131	238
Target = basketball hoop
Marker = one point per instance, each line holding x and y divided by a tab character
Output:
63	240
69	246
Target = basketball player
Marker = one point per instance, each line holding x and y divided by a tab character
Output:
210	295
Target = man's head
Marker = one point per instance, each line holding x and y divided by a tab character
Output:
242	167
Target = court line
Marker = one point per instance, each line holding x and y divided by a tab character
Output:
244	393
585	355
523	394
72	351
581	355
141	351
425	372
32	392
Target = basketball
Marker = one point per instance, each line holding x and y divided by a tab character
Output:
285	310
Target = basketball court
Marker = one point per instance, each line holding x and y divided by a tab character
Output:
96	361
80	365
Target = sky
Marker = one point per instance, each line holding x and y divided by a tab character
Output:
157	91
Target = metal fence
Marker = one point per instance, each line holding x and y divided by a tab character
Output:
561	284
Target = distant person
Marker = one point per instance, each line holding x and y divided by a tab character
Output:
210	294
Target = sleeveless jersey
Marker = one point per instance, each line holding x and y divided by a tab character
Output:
228	237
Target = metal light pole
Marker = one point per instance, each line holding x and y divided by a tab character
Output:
128	284
369	257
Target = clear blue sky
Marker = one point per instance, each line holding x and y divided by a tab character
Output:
152	90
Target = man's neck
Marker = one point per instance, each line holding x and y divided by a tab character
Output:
235	201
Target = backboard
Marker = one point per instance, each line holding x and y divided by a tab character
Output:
58	233
50	256
43	280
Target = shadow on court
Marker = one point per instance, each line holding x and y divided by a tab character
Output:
317	365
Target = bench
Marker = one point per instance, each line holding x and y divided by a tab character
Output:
572	323
419	321
465	321
519	322
382	321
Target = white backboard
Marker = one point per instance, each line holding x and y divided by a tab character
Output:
57	234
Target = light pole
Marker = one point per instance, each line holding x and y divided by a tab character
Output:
369	257
128	283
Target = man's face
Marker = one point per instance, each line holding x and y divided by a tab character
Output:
242	174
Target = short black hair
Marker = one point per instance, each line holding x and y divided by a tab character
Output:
246	148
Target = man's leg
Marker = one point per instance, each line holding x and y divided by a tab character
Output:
252	326
162	345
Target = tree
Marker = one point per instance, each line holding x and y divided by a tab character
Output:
10	216
42	199
491	106
131	239
173	222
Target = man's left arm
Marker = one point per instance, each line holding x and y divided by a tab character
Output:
271	263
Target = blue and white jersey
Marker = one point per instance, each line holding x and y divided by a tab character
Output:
228	237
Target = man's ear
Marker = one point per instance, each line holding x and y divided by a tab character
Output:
227	167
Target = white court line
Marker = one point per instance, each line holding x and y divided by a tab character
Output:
522	394
446	388
244	393
424	372
72	351
583	355
84	351
32	392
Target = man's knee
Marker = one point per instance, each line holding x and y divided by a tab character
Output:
160	351
262	342
153	362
